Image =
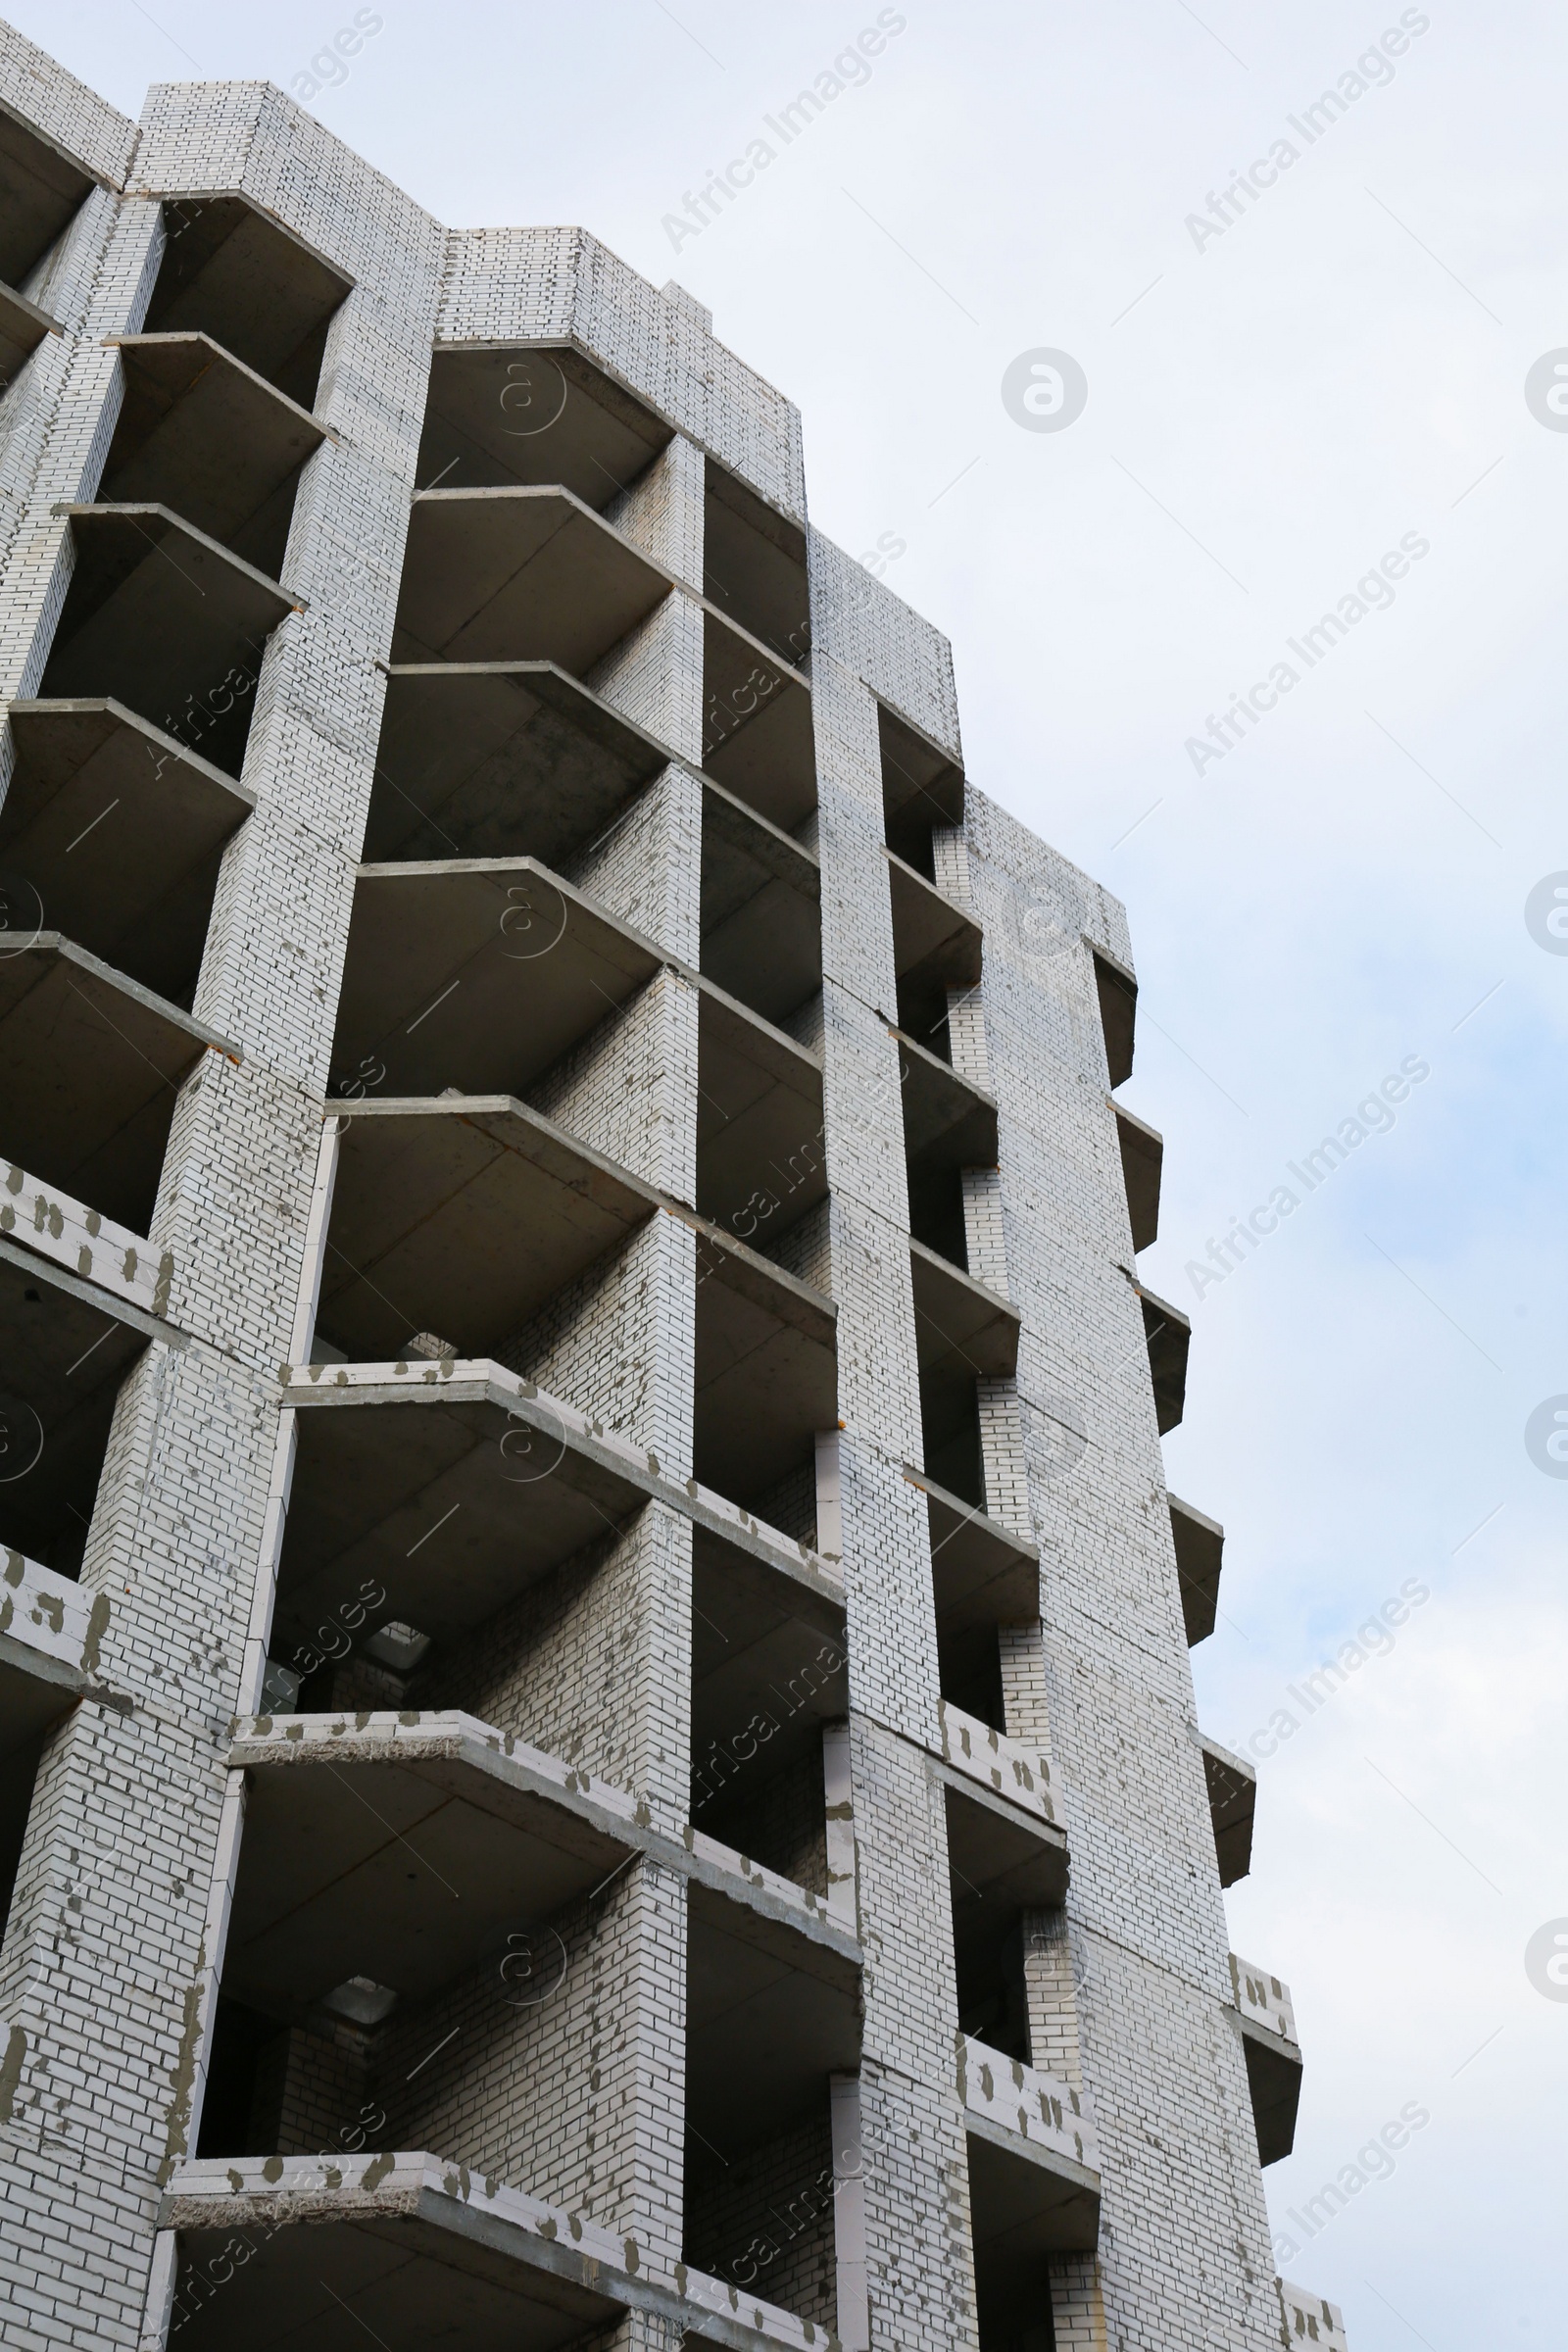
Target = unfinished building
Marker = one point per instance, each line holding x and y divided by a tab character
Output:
596	1738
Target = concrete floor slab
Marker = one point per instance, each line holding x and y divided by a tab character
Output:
1168	1332
535	413
1199	1543
499	759
983	1573
761	908
754	566
165	620
1143	1153
1232	1785
923	787
65	1014
235	272
41	187
1026	2204
519	573
760	1161
766	1644
204	436
119	830
757	735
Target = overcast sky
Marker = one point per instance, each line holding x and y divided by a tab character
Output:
1290	390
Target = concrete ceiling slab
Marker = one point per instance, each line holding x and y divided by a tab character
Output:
477	973
769	2016
754	566
766	1369
232	272
983	1575
1117	991
921	786
1001	1862
120	831
761	916
761	1643
1168	1332
65	1348
760	1162
933	940
92	1062
22	327
519	573
1199	1543
162	618
205	435
462	1216
1026	2204
758	733
535	413
450	1501
1232	1785
1274	2079
1143	1153
962	1330
948	1122
499	759
41	188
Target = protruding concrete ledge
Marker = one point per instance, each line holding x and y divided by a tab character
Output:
455	1486
760	912
22	327
963	1330
420	2251
949	1122
90	1064
476	973
1034	2178
1117	990
1273	2055
1143	1155
761	1161
534	412
935	946
922	786
520	572
1004	1766
1168	1334
984	1575
119	830
753	564
1200	1548
1232	1803
236	273
79	1238
1311	2319
495	758
44	187
203	434
758	734
163	618
1004	1860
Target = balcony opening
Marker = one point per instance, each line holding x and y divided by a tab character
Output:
207	437
949	1125
761	910
534	414
936	949
112	834
757	735
922	790
769	1673
65	1361
762	1163
43	189
767	1379
232	273
763	2220
1117	991
754	567
1000	1865
501	760
164	620
965	1334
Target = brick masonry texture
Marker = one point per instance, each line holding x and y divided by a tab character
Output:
116	2035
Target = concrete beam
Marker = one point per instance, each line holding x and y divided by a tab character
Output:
41	190
535	413
120	831
1199	1543
493	759
757	736
1143	1153
517	573
162	618
236	273
203	434
92	1062
1232	1804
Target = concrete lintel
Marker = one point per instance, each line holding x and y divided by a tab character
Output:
1199	1543
519	572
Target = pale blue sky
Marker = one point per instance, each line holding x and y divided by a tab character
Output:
1282	405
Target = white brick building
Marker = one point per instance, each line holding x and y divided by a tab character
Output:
596	1742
